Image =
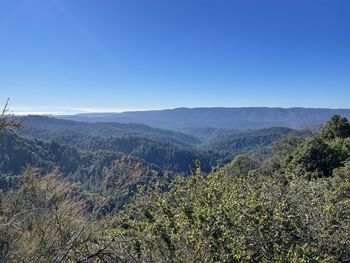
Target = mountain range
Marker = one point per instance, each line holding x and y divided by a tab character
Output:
185	119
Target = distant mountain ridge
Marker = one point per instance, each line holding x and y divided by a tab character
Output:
36	123
220	117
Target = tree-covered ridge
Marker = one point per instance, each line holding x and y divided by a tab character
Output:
89	168
166	155
159	151
34	124
232	144
320	155
291	205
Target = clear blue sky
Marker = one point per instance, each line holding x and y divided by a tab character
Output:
71	55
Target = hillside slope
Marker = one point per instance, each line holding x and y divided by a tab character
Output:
232	144
167	156
107	129
92	169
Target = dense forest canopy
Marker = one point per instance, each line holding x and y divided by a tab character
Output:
169	151
105	129
270	195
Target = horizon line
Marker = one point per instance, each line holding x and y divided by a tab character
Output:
82	111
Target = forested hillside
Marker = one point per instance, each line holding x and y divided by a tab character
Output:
93	170
107	129
168	150
85	152
231	144
291	205
165	155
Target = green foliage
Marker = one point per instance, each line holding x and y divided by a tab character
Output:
286	145
241	219
232	144
314	158
96	171
321	154
241	165
157	151
336	127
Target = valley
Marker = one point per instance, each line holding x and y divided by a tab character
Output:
133	182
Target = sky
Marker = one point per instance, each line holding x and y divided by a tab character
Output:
70	56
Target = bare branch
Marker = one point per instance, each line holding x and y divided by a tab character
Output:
7	118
